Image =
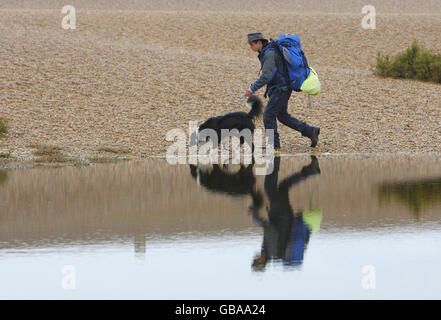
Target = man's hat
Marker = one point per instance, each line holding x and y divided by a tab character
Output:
255	36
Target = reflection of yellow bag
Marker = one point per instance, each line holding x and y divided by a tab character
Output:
313	218
311	85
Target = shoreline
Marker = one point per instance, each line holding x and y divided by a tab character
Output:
6	164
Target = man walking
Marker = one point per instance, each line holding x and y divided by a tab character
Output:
278	91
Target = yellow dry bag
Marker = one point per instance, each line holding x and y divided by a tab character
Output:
311	85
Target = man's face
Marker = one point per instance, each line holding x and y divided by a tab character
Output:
256	45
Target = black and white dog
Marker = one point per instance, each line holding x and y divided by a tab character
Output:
230	121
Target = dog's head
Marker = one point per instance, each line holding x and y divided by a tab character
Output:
209	124
196	138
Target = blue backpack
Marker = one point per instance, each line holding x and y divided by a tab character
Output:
296	65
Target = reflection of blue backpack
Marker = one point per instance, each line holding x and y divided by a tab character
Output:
296	65
298	241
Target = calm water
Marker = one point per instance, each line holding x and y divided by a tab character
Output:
328	227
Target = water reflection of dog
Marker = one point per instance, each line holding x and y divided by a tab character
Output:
217	178
286	233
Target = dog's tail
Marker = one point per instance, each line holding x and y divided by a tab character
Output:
256	105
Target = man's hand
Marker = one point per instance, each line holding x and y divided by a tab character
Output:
248	92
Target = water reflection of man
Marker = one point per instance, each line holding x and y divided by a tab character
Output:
286	233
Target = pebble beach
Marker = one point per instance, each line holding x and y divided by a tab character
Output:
133	70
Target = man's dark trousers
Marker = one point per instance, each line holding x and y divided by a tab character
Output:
277	109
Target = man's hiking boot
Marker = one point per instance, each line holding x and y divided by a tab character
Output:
314	137
312	133
312	168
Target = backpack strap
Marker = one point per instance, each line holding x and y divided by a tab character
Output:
284	73
305	63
